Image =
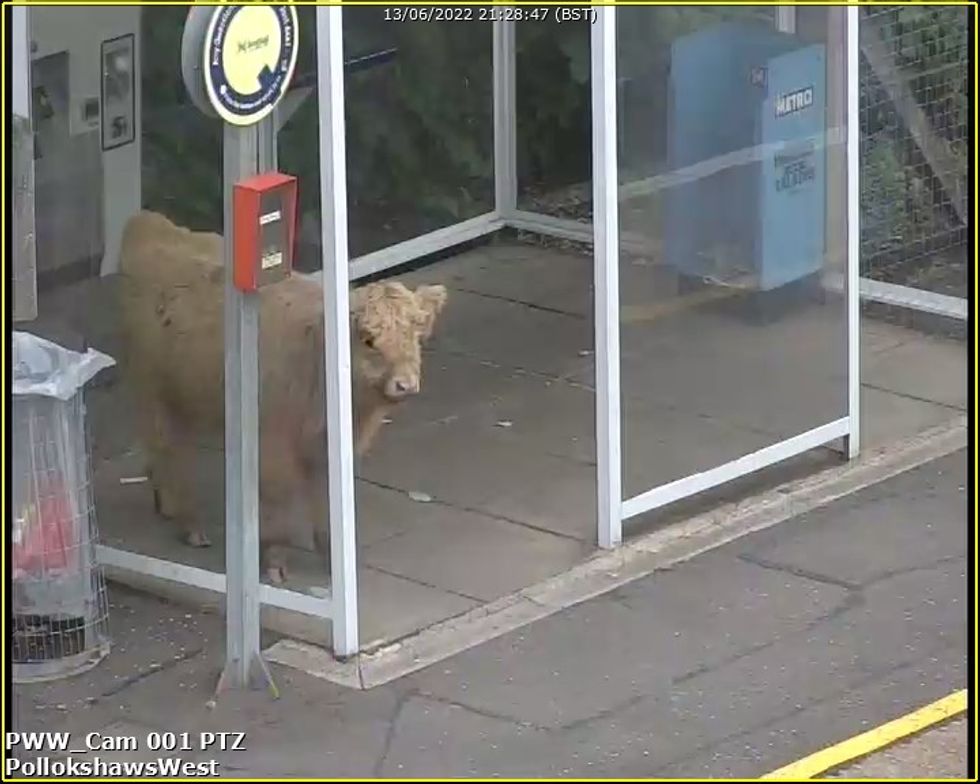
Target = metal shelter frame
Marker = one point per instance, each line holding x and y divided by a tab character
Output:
339	608
613	510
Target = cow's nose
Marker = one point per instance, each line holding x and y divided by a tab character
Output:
404	387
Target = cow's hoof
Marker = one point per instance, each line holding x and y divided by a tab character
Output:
198	539
276	574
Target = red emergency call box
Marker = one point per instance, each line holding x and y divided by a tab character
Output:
264	229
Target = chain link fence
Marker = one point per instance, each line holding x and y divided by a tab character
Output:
915	135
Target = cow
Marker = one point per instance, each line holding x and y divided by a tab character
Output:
171	290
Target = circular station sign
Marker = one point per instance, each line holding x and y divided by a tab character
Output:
249	57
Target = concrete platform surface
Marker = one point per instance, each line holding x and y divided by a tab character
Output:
501	443
938	753
732	664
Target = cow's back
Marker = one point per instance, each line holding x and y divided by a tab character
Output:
171	290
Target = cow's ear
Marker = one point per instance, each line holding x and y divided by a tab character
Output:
431	300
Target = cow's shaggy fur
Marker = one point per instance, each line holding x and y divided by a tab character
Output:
172	294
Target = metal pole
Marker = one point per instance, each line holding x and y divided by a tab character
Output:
853	232
836	207
244	665
605	180
268	153
24	249
336	315
786	19
504	117
20	61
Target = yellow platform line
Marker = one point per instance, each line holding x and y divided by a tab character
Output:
873	740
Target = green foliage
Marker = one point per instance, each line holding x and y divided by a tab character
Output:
884	183
420	129
929	46
552	92
181	147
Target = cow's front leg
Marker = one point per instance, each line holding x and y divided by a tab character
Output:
170	469
370	418
317	493
280	487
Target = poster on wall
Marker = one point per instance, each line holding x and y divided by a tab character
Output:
118	92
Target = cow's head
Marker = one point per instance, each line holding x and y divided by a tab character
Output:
390	323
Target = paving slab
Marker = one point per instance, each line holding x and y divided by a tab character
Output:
484	471
782	379
722	665
454	386
929	497
473	555
571	664
927	368
644	284
537	414
663	442
400	606
877	336
887	416
512	335
546	417
540	277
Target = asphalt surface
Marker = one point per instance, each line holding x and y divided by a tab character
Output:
937	753
732	664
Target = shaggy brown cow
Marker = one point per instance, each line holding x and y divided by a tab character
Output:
172	293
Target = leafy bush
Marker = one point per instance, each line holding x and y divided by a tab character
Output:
902	200
420	129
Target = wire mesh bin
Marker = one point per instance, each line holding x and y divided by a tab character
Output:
60	609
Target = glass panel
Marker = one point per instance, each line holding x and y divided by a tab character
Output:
298	143
491	450
915	75
419	126
554	125
419	103
554	104
114	131
181	172
733	333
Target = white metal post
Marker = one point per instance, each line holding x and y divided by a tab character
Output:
505	117
835	232
336	314
268	150
244	665
23	259
786	19
20	61
605	178
853	232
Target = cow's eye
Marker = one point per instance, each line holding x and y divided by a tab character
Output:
369	342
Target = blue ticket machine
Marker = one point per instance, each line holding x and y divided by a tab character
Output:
746	154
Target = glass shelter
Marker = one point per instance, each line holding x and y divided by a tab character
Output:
638	226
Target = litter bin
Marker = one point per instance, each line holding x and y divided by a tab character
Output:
60	610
